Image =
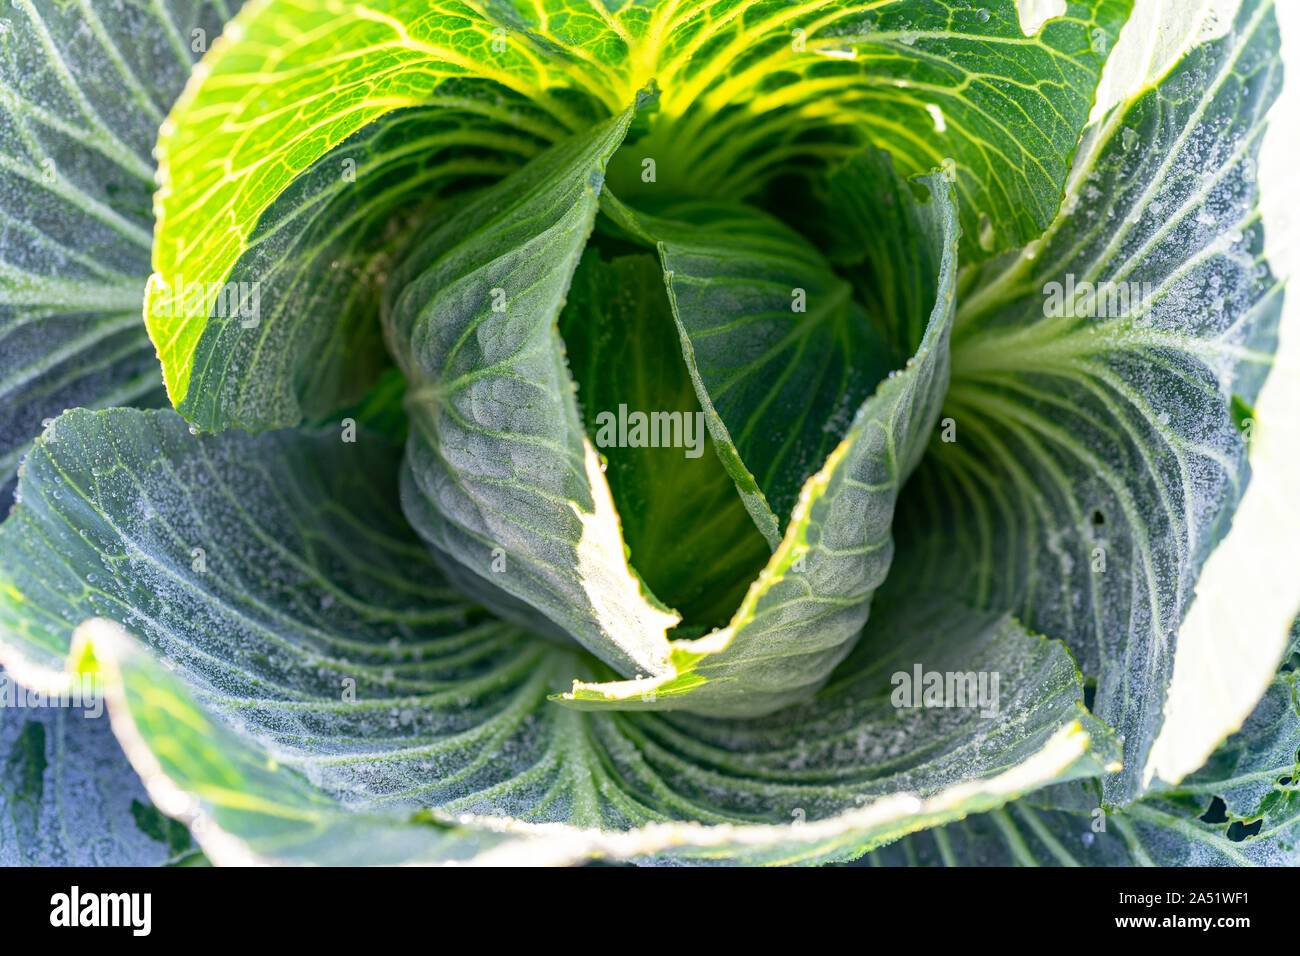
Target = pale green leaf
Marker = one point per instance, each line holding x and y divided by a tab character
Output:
752	92
756	91
469	103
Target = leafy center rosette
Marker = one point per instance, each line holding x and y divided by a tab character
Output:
549	378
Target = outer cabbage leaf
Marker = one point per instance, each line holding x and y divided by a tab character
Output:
1242	808
1099	455
242	804
312	691
751	90
67	795
318	169
294	331
82	90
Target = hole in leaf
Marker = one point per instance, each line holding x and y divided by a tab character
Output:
1097	517
1240	831
1216	812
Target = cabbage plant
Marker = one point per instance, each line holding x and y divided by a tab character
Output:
727	431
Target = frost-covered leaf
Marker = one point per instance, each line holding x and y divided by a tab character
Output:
1242	808
500	478
244	806
203	773
294	329
68	797
83	88
1099	448
314	663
